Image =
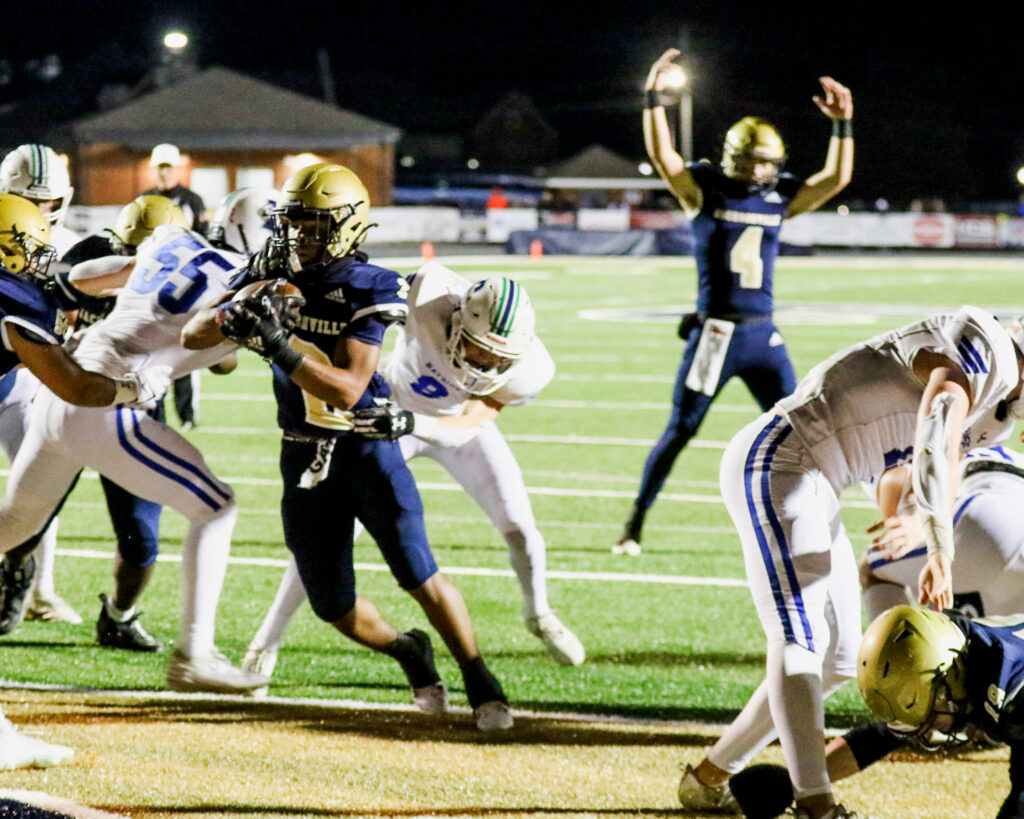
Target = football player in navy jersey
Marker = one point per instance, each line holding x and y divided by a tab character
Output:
737	212
31	330
136	521
331	476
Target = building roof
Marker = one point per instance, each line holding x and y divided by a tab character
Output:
599	167
220	108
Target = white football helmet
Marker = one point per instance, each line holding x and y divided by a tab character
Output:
35	172
495	315
244	220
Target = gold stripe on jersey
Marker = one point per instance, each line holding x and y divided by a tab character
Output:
746	218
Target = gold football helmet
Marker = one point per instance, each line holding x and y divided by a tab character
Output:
25	246
140	217
323	211
749	143
910	667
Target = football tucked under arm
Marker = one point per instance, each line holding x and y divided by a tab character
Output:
259	318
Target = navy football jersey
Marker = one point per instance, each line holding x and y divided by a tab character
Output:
90	308
736	240
995	673
24	305
345	298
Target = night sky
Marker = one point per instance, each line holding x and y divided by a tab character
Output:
938	108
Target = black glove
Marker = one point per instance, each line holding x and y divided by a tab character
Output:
688	322
237	321
270	261
253	325
386	423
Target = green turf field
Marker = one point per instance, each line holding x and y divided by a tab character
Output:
669	634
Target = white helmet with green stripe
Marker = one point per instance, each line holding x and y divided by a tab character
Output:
36	173
495	315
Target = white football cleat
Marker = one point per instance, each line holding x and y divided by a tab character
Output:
20	751
561	643
626	547
695	796
431	699
493	716
50	608
211	672
260	661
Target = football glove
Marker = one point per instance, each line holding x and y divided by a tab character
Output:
142	388
270	261
385	423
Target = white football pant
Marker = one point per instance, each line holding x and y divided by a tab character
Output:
148	458
486	468
14	417
803	577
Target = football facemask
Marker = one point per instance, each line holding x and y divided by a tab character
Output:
323	212
36	173
489	332
25	247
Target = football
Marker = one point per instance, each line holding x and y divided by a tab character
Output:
275	287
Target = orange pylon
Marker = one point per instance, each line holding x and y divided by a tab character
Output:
427	251
536	248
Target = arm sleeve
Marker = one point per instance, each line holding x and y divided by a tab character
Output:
871	742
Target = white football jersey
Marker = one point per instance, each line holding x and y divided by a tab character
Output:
856	413
422	375
63	239
176	274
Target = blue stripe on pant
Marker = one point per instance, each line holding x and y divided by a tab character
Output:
757	476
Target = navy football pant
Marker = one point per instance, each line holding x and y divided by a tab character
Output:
368	481
765	369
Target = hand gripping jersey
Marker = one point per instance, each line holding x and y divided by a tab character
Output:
345	298
24	305
176	274
856	413
736	237
421	373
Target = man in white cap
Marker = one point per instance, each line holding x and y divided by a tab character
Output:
166	158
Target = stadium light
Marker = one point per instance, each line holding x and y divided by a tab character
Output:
645	168
175	40
1020	175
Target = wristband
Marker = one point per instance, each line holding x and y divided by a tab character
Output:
657	99
425	426
126	390
288	359
938	534
842	128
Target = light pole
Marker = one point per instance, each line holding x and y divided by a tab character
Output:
679	81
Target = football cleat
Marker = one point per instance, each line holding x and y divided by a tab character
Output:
695	796
626	547
50	608
836	812
20	751
260	661
14	586
125	634
210	672
431	699
493	716
562	644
